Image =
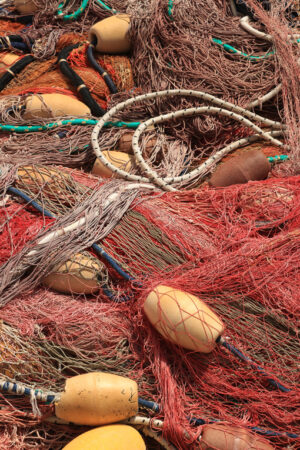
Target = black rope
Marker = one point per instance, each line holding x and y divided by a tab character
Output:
75	79
109	82
14	70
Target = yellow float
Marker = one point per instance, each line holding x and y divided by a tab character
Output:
97	398
110	437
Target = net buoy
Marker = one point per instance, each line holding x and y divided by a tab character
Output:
125	143
25	6
80	274
49	106
97	399
119	159
8	59
248	165
183	319
111	34
225	437
110	437
33	178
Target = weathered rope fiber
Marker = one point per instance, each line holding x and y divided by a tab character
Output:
227	109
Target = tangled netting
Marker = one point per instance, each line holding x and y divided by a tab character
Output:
197	295
237	249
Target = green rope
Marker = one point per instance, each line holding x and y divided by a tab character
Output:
80	10
104	6
75	14
278	158
170	8
231	49
48	126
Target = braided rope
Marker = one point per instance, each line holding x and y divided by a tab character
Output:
21	389
75	14
227	109
80	10
233	50
48	126
244	22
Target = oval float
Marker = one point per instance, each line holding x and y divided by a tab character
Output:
97	399
48	106
111	34
109	437
119	159
248	165
226	437
8	59
80	274
25	6
183	319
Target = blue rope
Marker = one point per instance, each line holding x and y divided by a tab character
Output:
245	358
128	277
96	247
112	262
8	386
30	201
148	404
195	421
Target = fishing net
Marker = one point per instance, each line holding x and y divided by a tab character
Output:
248	284
236	248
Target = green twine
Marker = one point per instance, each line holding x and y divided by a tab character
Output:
75	14
80	10
49	126
170	8
278	158
104	6
231	49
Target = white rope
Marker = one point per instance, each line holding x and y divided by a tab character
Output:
73	226
144	421
227	109
266	97
244	22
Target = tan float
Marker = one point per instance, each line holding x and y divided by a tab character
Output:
97	399
125	144
225	437
25	6
49	106
241	168
81	274
119	159
34	178
183	319
109	437
111	34
8	59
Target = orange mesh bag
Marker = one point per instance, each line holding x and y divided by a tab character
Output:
39	75
7	27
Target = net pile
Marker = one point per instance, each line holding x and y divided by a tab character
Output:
235	248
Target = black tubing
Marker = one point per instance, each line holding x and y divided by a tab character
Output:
12	71
78	82
109	82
